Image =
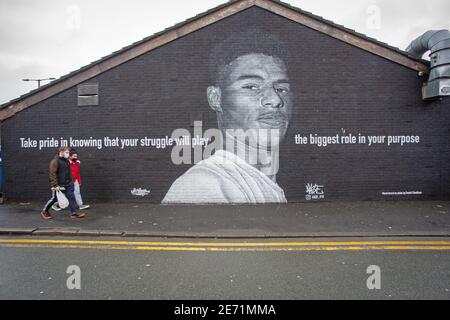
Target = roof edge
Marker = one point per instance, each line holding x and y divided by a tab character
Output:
209	17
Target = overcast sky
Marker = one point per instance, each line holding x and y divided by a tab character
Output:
50	38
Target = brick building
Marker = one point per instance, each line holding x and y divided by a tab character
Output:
359	128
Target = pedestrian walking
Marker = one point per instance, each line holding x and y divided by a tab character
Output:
75	165
61	179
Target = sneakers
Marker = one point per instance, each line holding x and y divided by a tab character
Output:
46	215
77	215
55	207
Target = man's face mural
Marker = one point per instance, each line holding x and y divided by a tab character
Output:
253	92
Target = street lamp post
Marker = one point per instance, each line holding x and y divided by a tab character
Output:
39	80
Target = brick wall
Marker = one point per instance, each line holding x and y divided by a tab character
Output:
336	86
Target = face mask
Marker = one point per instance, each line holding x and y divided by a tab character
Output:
66	155
74	159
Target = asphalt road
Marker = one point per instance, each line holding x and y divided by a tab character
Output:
159	269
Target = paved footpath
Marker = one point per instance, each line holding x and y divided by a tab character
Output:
341	219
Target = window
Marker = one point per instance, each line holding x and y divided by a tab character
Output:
88	94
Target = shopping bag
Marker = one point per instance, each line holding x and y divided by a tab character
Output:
63	203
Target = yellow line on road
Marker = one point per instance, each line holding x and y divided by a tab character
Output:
225	244
229	247
235	249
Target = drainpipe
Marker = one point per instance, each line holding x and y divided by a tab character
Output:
438	42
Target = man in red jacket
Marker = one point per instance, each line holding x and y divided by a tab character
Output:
75	166
61	180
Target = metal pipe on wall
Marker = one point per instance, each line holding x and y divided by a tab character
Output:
438	42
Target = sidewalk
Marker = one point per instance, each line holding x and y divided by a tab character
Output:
341	219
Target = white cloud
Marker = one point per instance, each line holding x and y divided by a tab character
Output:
49	38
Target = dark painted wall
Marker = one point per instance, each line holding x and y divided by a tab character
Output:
336	86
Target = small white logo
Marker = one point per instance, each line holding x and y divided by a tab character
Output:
74	280
73	21
140	192
373	17
314	192
374	281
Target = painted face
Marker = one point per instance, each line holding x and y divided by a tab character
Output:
257	95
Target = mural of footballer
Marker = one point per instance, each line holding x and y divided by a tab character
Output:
251	93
